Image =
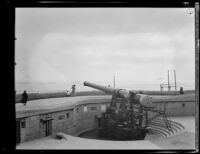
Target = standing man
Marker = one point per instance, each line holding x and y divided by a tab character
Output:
181	90
24	97
73	90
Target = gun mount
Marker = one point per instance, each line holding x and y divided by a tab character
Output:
126	118
142	99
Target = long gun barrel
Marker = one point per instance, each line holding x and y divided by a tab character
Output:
120	92
99	87
144	100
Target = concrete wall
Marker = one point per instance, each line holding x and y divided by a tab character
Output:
176	108
85	117
82	118
72	121
63	122
31	129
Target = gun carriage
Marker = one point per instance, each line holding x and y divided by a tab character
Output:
126	118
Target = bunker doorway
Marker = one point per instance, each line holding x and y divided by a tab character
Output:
98	122
18	135
48	128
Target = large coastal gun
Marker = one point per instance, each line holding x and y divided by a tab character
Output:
142	99
127	114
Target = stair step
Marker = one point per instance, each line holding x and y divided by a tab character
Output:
157	131
159	126
173	125
162	129
170	121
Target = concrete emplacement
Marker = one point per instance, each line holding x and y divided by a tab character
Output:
70	117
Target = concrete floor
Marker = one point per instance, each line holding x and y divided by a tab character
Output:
72	142
52	104
183	140
57	102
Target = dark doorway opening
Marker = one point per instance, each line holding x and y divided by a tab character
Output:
48	128
18	135
99	121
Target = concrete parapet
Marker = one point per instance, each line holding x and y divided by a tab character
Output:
75	115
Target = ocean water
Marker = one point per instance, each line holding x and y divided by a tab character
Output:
41	87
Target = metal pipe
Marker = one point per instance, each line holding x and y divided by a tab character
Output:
168	81
175	79
114	82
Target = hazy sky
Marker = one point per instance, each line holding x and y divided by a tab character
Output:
137	45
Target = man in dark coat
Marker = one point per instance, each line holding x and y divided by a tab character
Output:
24	97
181	90
73	90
